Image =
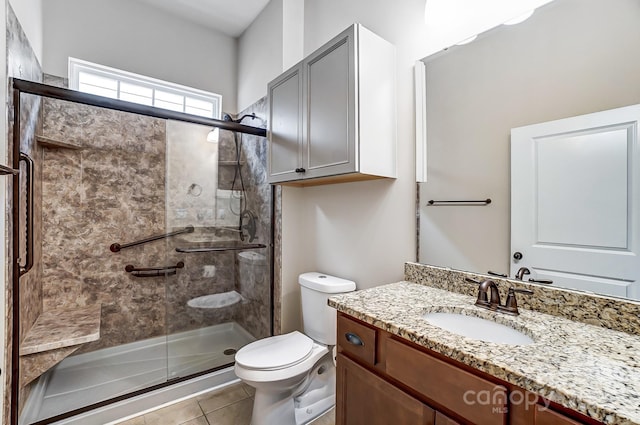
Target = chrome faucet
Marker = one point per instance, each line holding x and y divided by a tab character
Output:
521	272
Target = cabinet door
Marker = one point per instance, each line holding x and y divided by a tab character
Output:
362	398
445	420
329	121
285	126
544	416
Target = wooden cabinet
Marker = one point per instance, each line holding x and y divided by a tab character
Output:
469	396
370	400
445	420
545	416
383	379
332	116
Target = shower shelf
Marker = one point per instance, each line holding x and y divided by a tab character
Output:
219	246
55	335
62	328
55	144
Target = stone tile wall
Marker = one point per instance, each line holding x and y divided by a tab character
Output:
111	190
128	182
253	279
115	189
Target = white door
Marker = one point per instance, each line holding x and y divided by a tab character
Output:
575	202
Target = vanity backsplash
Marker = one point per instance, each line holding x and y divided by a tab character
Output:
607	312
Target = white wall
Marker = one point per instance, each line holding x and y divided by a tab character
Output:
451	21
260	54
29	13
292	32
364	231
272	44
135	37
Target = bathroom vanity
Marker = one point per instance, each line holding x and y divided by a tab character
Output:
396	367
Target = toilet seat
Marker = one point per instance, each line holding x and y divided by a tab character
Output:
292	373
276	352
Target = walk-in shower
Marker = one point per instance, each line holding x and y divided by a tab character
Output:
152	248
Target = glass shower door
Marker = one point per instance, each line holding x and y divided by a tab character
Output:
211	310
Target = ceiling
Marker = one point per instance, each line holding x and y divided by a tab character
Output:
230	17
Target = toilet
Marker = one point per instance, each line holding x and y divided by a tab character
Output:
294	374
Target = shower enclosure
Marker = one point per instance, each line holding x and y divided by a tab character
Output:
150	249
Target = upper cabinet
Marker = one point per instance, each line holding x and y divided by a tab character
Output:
332	117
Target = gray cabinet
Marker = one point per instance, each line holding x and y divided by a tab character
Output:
332	116
285	125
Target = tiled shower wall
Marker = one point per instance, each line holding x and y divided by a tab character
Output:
253	281
22	63
109	190
112	189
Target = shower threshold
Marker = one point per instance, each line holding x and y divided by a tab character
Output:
104	374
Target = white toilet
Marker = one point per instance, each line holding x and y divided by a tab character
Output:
294	374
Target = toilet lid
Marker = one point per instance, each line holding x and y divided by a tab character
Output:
276	352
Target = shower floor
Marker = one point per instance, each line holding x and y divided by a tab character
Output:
103	374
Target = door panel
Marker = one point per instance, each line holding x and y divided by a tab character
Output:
574	201
583	170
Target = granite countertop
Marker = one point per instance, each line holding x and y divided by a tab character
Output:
586	368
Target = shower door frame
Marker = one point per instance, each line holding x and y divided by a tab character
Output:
44	90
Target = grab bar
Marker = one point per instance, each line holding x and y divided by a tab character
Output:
153	271
4	170
116	247
204	247
29	231
439	203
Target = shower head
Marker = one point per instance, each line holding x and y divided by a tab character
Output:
227	117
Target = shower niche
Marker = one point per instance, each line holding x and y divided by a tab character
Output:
162	237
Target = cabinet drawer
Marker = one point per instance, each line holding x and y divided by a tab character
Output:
356	339
544	416
477	400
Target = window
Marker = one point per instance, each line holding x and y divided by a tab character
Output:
110	82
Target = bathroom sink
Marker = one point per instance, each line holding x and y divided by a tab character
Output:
478	328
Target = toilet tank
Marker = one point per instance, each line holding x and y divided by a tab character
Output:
319	319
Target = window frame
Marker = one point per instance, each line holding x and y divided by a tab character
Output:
76	66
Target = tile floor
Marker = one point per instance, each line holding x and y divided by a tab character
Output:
231	405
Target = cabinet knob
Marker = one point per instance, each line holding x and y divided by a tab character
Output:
300	170
517	256
353	339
